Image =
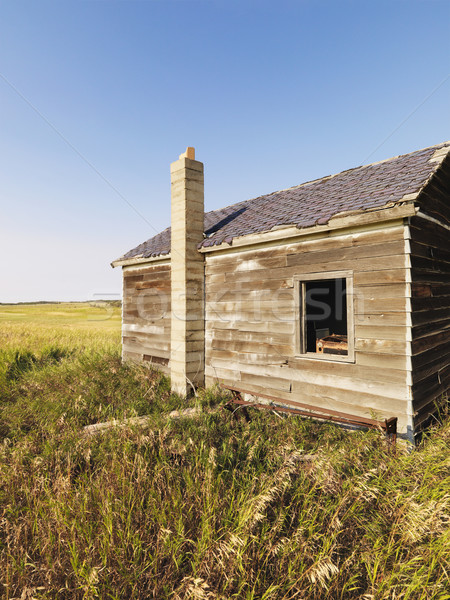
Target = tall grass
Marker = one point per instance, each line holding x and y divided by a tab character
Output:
205	507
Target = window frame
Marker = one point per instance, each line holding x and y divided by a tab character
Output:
300	316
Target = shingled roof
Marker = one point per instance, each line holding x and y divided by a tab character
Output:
369	187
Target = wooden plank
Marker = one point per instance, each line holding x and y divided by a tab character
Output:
256	336
149	329
434	341
355	371
258	326
389	290
255	308
426	329
252	286
146	271
426	251
428	233
149	346
426	412
431	387
156	284
138	349
380	277
345	383
389	332
427	357
218	374
338	399
146	347
371	306
357	252
383	361
375	264
432	314
309	366
252	346
367	405
140	321
420	290
131	278
430	304
419	263
383	319
272	383
324	242
432	277
283	297
235	360
381	346
324	379
438	361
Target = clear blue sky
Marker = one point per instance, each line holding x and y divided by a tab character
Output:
271	94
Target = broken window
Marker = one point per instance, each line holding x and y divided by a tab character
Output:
325	317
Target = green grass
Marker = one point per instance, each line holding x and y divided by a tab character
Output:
198	508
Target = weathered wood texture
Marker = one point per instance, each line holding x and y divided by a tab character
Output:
430	303
146	315
187	268
434	200
251	324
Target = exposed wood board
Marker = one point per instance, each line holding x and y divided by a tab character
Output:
389	332
137	263
246	325
372	252
369	244
382	346
365	219
284	350
386	276
368	405
273	383
137	348
383	319
329	381
252	286
309	366
383	361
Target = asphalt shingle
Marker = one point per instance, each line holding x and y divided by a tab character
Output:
316	202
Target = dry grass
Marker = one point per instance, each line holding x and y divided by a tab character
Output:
206	508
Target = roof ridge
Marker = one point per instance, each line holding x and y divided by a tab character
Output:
379	162
325	177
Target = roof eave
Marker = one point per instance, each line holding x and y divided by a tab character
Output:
137	260
346	220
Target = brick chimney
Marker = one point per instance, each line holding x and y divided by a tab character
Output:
187	340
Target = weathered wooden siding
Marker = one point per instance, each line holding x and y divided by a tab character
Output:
251	327
430	272
147	314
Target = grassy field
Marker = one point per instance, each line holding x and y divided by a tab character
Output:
198	508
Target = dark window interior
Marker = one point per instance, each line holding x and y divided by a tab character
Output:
326	316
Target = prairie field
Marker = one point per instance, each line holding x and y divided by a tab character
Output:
201	507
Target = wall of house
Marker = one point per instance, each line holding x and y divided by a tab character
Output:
251	326
146	314
430	301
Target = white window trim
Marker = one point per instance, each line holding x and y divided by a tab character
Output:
300	330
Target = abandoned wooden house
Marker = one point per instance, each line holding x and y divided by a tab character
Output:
334	293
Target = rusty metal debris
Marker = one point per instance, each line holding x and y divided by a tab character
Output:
389	426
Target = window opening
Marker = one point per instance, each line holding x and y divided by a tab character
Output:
325	320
